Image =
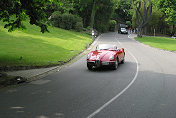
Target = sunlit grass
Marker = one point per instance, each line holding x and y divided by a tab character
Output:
159	42
32	48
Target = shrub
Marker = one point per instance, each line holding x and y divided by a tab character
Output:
112	25
128	23
102	28
67	21
76	19
79	26
56	19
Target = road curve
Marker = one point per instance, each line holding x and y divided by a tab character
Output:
143	87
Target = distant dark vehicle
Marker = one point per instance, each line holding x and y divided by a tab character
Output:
123	31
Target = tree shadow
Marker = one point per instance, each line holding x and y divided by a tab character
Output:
150	87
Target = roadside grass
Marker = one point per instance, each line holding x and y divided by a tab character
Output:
32	48
159	42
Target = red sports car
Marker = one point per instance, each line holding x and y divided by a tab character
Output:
105	55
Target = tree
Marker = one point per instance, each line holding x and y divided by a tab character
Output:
143	14
122	11
168	7
13	12
128	23
156	21
95	13
103	15
94	7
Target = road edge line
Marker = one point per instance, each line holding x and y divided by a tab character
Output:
123	91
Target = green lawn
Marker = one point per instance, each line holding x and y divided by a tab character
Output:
37	49
159	42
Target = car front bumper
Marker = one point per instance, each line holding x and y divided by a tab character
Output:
124	32
99	63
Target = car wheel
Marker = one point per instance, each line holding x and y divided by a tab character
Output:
123	61
89	66
115	66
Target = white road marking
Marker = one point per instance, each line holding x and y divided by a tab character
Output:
119	94
129	36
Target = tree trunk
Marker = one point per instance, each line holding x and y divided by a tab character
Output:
173	30
142	18
93	14
140	30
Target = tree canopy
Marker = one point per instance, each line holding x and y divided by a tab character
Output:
168	7
13	12
93	13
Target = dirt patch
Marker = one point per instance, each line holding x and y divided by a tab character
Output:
6	80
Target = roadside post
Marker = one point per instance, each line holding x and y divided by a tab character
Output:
93	34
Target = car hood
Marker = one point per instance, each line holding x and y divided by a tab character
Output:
124	30
103	55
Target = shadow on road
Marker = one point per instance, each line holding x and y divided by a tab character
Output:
107	68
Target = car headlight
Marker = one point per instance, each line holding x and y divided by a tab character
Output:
111	57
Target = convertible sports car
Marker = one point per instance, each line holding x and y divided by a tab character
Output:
105	55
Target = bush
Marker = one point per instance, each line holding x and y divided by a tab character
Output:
128	23
67	21
79	26
76	19
102	28
112	25
56	19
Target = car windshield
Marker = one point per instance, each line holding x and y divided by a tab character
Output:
123	29
105	47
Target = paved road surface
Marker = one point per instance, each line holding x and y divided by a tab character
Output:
143	87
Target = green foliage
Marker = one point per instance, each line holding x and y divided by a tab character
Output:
123	11
112	25
103	15
66	21
56	18
76	19
37	49
79	26
128	23
13	12
66	6
100	10
169	8
83	9
157	21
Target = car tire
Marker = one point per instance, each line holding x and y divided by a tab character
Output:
123	61
115	66
89	67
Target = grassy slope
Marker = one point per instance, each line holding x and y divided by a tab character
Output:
159	42
39	49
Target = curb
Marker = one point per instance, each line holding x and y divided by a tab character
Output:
58	68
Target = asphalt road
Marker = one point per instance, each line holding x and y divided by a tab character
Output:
143	87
